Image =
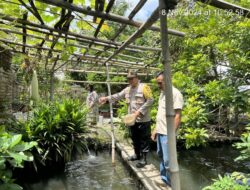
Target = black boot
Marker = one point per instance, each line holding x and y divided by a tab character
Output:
134	157
143	161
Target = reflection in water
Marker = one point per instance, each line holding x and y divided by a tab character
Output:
199	167
89	173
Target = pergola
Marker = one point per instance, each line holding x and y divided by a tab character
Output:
95	52
92	47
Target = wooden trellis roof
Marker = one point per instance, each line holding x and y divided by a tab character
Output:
54	23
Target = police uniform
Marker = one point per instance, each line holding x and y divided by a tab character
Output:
140	99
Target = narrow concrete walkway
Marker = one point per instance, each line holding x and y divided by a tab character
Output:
148	175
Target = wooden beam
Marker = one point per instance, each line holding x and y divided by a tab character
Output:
86	62
113	63
32	10
169	111
103	72
131	15
241	11
47	11
25	16
99	59
111	17
138	33
110	5
94	82
5	17
68	37
35	12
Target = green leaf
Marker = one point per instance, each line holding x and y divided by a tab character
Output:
24	146
15	140
10	187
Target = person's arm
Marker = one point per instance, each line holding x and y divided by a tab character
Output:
154	135
147	93
177	119
114	97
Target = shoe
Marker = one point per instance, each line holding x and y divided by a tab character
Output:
133	158
141	163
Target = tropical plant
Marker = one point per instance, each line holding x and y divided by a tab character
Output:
122	111
194	137
194	113
59	130
210	62
13	152
228	182
244	146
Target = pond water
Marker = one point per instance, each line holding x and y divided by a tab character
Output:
197	169
89	173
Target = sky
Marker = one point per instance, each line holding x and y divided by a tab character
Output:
146	10
143	14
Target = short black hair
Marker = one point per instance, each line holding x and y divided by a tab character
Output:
159	73
91	87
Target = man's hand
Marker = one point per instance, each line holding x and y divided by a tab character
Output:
153	136
137	114
103	100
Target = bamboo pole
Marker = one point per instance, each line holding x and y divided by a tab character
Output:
111	17
42	10
103	72
99	59
108	8
231	8
111	116
115	64
108	42
130	16
137	34
173	163
94	82
69	44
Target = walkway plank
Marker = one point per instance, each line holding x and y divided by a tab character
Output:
146	175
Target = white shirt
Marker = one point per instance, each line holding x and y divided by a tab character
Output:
161	123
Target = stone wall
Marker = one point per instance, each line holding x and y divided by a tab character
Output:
6	84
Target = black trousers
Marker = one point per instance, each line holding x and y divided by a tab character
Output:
140	134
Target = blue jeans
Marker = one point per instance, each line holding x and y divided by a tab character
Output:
162	151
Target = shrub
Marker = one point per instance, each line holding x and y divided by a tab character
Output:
13	153
59	130
194	137
228	183
244	146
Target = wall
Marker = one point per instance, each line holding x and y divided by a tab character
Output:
6	84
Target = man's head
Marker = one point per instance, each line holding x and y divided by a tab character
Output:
160	80
132	78
90	87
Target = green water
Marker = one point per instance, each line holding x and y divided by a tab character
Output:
89	173
197	169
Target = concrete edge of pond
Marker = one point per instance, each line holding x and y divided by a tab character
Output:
146	175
